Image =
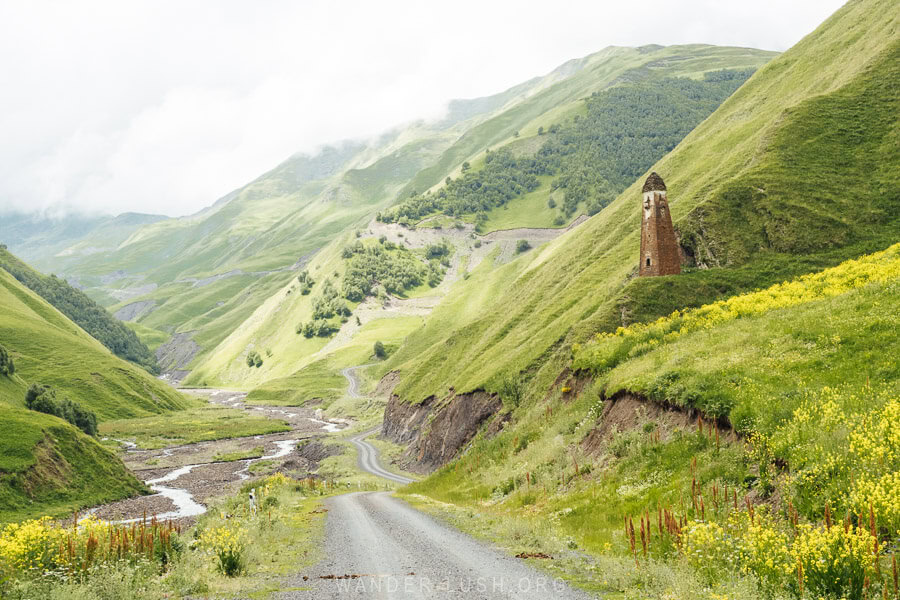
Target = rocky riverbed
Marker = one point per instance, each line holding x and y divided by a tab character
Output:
186	477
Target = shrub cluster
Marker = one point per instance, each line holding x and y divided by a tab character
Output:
325	306
254	359
393	267
7	366
306	282
43	399
329	303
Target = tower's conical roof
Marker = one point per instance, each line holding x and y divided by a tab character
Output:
654	183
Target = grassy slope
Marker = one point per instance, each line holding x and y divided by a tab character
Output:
322	379
48	466
49	349
561	99
767	125
762	367
271	326
267	225
85	312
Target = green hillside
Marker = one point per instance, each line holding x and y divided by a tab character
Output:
83	311
804	371
634	75
48	466
49	349
761	159
591	158
560	96
202	276
765	371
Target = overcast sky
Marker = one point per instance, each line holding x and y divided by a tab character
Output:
163	107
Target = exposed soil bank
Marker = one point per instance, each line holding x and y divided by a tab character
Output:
435	433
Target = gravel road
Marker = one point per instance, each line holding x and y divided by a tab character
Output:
367	458
379	547
352	380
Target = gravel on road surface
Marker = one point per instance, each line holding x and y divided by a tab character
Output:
379	547
367	458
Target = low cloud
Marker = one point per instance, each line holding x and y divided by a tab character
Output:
162	107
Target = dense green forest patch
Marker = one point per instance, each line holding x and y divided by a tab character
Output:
591	158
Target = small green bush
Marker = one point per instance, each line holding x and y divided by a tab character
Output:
7	367
254	359
380	352
522	246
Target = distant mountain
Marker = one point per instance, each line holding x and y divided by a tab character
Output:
38	238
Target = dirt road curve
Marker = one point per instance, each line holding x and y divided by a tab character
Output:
367	458
378	547
352	380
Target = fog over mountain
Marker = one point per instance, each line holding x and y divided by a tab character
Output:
162	107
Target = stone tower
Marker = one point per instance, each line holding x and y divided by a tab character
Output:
659	249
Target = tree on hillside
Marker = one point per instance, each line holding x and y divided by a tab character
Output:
254	359
380	352
43	399
7	367
522	246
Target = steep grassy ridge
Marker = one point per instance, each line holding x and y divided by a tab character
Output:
86	313
804	370
560	96
51	350
46	465
49	467
752	142
591	158
793	174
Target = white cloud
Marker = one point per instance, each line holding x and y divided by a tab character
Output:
164	106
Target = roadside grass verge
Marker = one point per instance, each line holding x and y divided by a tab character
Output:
613	577
198	424
284	537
